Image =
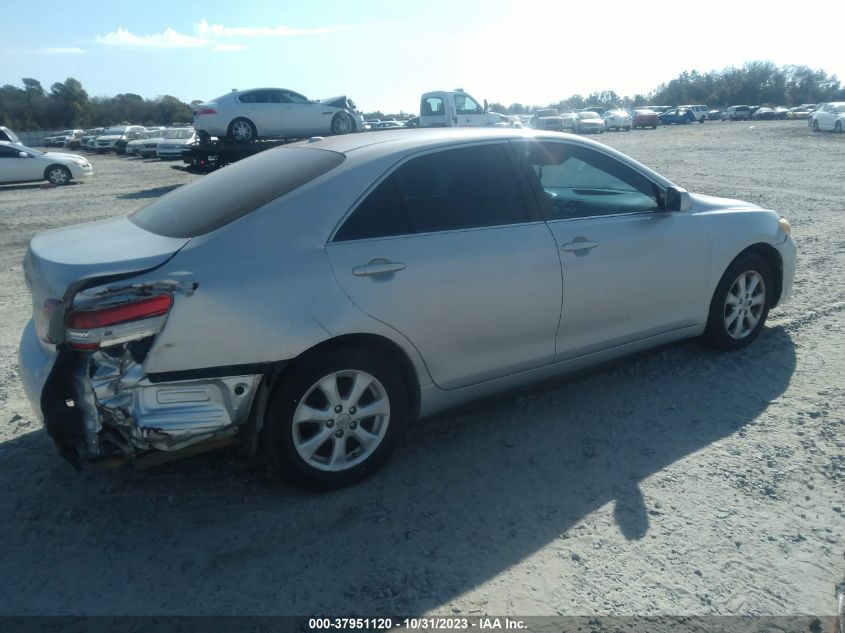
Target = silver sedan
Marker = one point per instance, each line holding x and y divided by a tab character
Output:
316	297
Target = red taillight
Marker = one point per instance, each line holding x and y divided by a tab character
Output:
93	328
143	309
202	111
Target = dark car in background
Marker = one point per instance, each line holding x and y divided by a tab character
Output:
677	116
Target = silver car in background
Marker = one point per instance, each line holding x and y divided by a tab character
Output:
174	141
314	298
245	115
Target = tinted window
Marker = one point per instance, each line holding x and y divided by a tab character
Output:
582	182
454	189
230	193
8	152
432	106
381	214
293	97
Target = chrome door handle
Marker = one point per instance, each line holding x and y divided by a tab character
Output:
378	267
579	245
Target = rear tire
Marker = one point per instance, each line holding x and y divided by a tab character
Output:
314	430
838	127
242	131
816	126
342	123
741	303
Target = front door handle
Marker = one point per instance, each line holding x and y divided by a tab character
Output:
580	244
378	267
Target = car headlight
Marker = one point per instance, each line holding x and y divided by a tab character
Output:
79	161
785	226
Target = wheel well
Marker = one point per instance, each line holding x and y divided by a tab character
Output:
49	167
241	118
772	256
383	346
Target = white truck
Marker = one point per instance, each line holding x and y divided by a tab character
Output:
456	108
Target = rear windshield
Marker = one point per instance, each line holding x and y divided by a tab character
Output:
232	192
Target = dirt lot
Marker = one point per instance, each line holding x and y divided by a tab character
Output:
682	481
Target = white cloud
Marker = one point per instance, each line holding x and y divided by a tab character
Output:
73	50
229	48
204	29
169	38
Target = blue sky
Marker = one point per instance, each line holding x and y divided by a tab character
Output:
384	54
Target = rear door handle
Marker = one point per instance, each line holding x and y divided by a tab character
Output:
579	245
378	267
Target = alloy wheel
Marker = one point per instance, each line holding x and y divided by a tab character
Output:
341	420
744	304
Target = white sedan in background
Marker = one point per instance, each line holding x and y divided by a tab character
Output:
617	120
174	141
245	115
829	116
24	164
587	122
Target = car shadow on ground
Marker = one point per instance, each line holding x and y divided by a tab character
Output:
35	185
468	495
155	192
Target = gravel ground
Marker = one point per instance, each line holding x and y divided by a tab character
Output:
680	481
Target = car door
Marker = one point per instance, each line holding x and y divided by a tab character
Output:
630	270
469	112
826	117
13	168
303	117
449	249
258	107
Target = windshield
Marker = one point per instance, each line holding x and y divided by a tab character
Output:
114	130
589	115
547	113
188	133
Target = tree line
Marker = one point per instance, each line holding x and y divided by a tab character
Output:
68	106
755	83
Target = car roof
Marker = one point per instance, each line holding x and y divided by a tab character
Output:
400	142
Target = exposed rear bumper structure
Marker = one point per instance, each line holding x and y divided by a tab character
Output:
100	405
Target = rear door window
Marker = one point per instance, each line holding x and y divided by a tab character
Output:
460	188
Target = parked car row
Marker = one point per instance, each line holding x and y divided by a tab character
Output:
136	140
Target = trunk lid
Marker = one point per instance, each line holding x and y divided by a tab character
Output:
59	262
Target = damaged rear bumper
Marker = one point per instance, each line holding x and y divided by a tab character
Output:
100	404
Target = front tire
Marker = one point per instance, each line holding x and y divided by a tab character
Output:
336	418
58	175
242	131
838	127
740	304
816	126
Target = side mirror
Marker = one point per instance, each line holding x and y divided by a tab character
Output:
23	155
676	199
